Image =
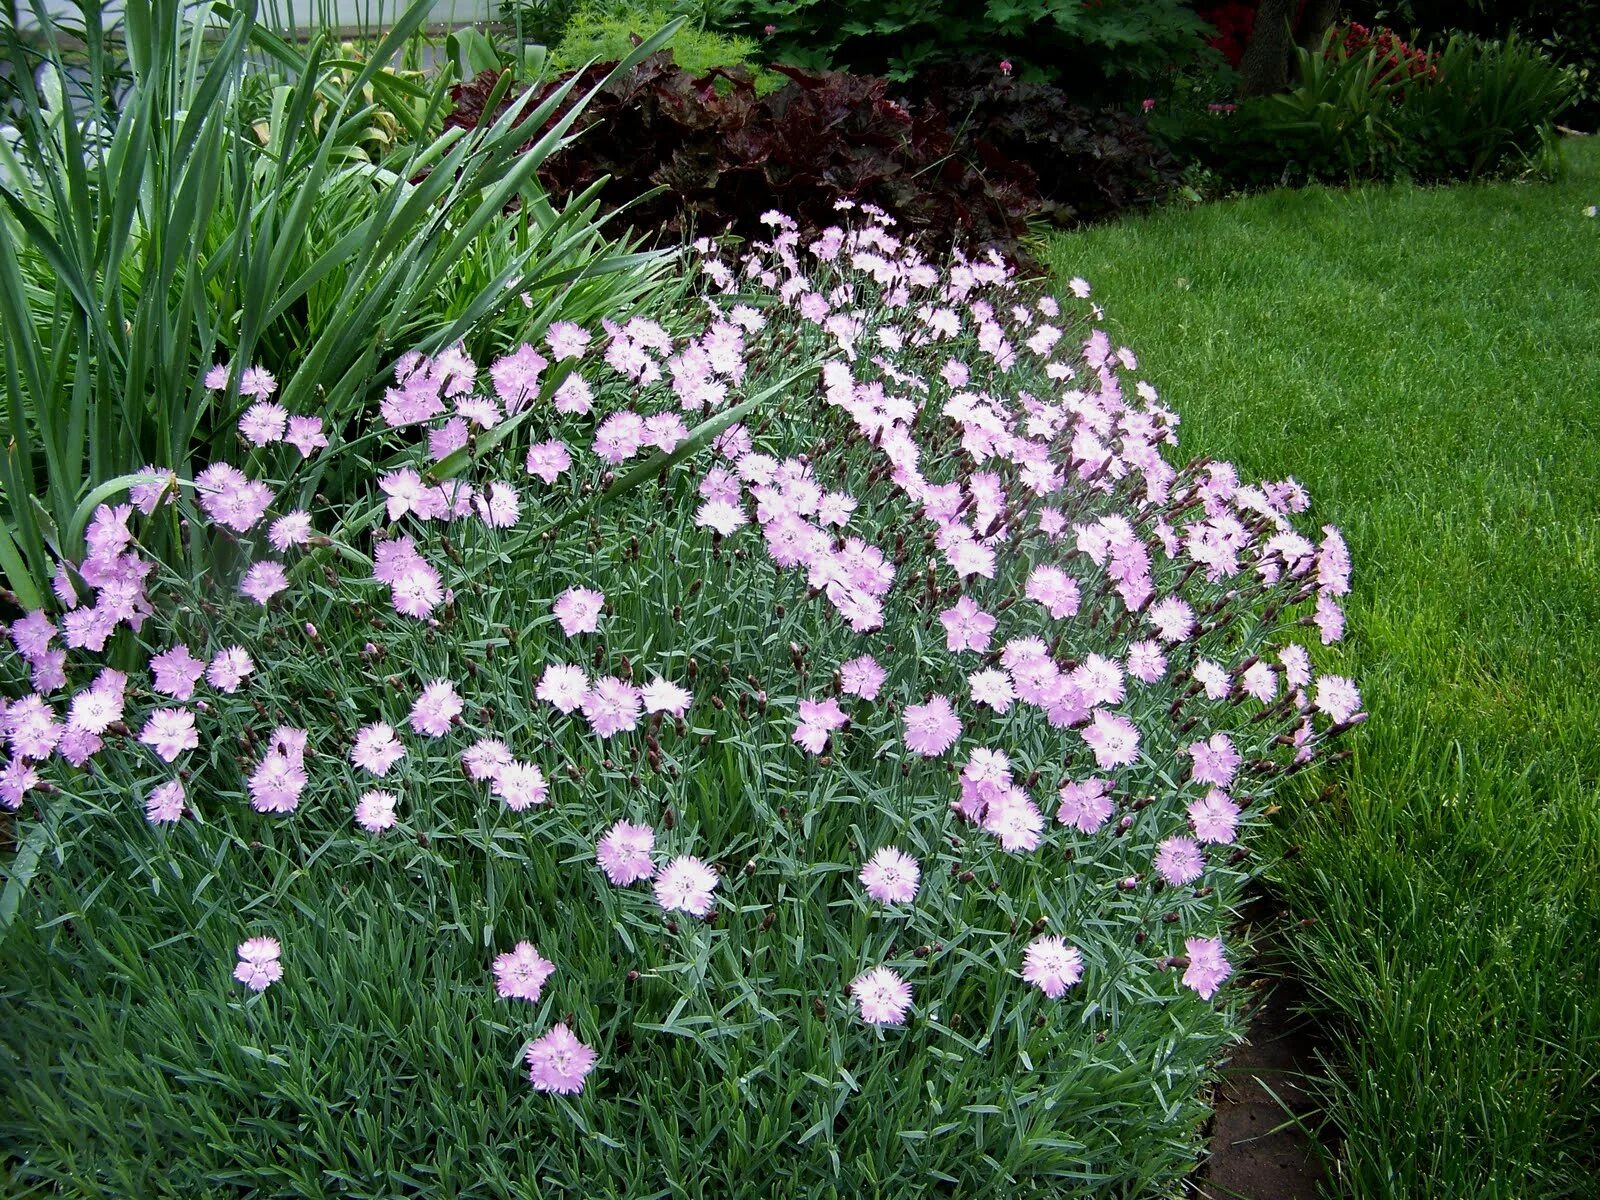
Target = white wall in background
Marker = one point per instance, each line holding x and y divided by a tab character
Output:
284	14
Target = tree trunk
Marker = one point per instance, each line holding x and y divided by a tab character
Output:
1265	66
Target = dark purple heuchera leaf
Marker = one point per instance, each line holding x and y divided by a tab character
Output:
1088	165
725	155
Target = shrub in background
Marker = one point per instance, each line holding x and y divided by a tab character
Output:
806	747
396	102
1098	50
1089	164
607	35
1569	32
687	157
1393	57
538	22
1491	110
1232	26
1368	108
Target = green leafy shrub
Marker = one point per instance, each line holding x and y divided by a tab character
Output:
608	34
1569	32
537	22
1471	109
1094	47
396	103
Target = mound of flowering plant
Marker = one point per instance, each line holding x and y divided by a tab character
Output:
808	745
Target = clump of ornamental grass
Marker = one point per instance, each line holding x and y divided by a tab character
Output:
807	744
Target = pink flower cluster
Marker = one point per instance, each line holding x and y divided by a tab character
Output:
1001	593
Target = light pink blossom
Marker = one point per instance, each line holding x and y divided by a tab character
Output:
1085	805
931	728
264	580
1179	860
882	996
862	677
612	706
1113	738
563	686
1215	818
376	749
623	853
1208	966
520	785
375	811
966	626
578	610
259	965
1215	760
520	973
436	709
1338	698
685	885
169	732
662	695
229	668
558	1062
1051	965
890	876
165	803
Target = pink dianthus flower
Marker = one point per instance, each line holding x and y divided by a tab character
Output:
229	669
685	884
1051	965
1215	818
818	718
520	973
612	706
1215	760
264	580
169	732
1113	738
664	696
435	709
1338	698
1179	860
862	677
375	811
578	610
376	749
485	759
520	785
623	853
558	1062
882	996
966	626
259	966
165	803
931	728
1085	805
891	876
563	686
1208	966
548	460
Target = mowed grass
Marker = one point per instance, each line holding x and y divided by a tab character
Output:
1427	362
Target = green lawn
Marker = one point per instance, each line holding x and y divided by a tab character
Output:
1427	362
